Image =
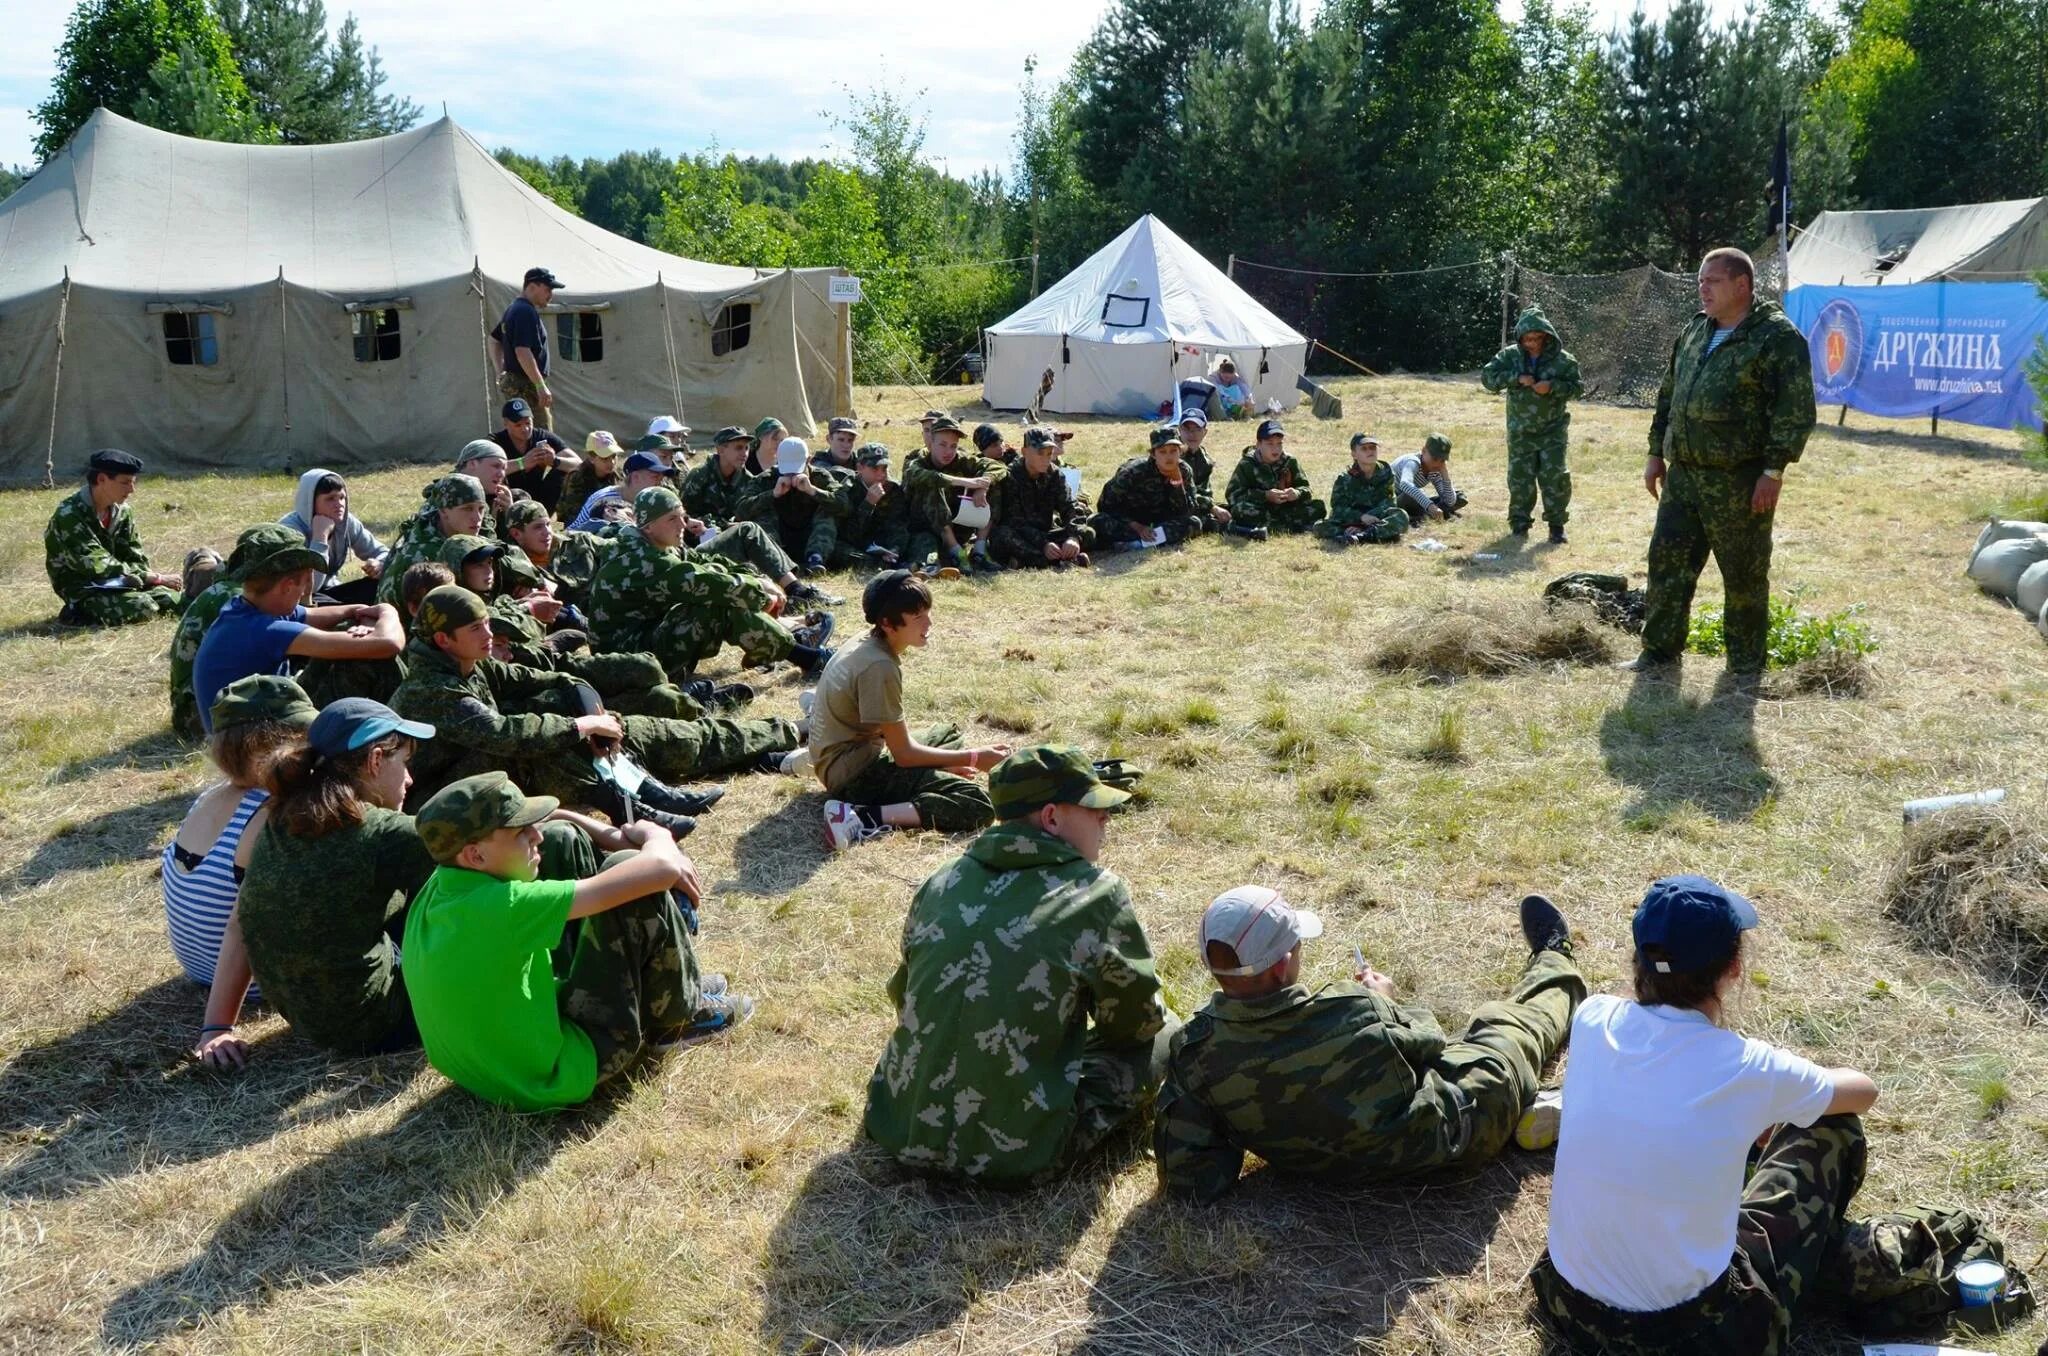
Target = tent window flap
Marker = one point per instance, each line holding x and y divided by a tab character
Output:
579	336
733	330
1126	313
376	334
190	339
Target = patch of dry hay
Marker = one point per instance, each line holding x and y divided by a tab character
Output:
1831	673
1973	882
1492	637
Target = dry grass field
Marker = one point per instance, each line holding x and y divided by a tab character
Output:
725	1202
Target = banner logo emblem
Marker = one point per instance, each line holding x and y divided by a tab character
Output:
1837	344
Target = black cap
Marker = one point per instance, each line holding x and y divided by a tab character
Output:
987	436
731	433
1271	429
542	275
112	461
516	410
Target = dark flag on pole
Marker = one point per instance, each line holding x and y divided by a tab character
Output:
1781	184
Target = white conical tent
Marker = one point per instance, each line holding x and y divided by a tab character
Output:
226	306
1120	332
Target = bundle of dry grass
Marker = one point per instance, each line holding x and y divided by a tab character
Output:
1830	673
1491	637
1973	882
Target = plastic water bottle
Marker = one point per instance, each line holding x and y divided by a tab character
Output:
1919	809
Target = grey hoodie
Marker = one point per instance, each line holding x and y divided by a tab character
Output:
350	536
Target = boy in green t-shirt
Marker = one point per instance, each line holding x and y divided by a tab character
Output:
534	974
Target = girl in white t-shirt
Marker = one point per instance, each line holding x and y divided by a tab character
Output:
1664	1239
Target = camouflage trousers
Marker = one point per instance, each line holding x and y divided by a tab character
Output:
673	750
1390	526
1706	511
1004	549
693	632
1117	1086
749	544
631	684
121	607
1792	1215
800	541
1536	461
513	385
329	680
944	800
1495	1068
1117	533
1300	516
627	976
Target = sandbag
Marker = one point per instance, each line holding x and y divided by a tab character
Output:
2031	592
1998	567
2005	529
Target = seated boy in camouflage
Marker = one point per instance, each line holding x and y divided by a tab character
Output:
1036	521
1362	506
454	507
1344	1083
1269	489
880	528
1153	500
93	554
534	973
1029	1021
939	478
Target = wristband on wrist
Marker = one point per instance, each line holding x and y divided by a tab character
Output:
211	1028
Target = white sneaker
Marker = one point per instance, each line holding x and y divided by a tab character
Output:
805	698
796	763
843	827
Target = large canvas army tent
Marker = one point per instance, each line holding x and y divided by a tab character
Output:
209	306
1973	242
1140	315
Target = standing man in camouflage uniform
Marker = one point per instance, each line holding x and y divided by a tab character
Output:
1036	522
880	529
94	556
683	606
1156	494
1734	411
522	340
1269	489
1029	1022
1344	1083
1539	377
453	507
1362	506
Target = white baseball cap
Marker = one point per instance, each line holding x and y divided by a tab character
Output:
667	423
1259	925
790	456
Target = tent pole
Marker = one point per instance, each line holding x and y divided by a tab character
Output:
842	349
1034	273
483	330
57	384
668	341
284	371
1507	273
1230	268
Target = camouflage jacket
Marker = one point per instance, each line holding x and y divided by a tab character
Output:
192	629
759	503
318	916
1748	402
639	582
526	642
579	485
1252	478
1029	509
419	539
712	497
78	552
1013	956
1529	412
573	563
1139	494
1355	495
474	731
1337	1083
886	524
930	496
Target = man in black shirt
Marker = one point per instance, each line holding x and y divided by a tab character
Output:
522	336
541	461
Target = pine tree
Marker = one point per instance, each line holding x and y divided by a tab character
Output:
311	90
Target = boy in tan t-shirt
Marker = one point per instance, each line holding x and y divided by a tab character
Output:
878	774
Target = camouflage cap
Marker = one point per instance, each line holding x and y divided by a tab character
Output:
448	609
653	502
456	551
261	540
274	560
1039	435
871	454
769	425
476	449
454	491
1437	445
839	423
508	627
731	433
1166	435
986	436
262	697
514	565
945	423
1049	774
473	809
929	415
525	513
651	442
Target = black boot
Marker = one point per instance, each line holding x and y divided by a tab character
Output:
1543	927
1249	533
719	696
658	795
623	809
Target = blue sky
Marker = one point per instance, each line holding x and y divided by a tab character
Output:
759	78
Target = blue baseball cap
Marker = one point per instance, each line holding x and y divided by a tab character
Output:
647	461
1194	414
347	725
1694	920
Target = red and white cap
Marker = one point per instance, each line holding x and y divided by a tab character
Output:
1259	925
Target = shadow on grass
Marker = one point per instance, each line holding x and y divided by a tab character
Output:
152	752
1941	445
371	1202
1676	751
1515	557
127	834
781	851
118	1095
1291	1266
870	1256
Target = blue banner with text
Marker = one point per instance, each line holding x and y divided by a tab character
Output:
1958	350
